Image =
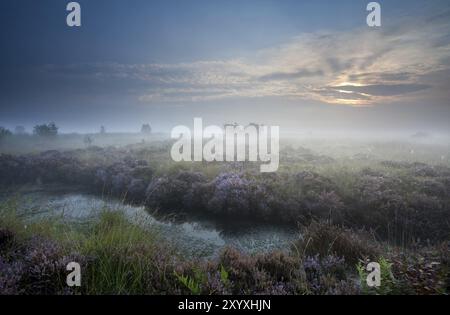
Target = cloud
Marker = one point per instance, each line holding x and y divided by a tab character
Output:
358	67
373	77
281	76
382	90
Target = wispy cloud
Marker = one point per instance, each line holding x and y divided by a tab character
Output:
358	68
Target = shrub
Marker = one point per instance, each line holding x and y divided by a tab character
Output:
146	129
46	130
324	239
231	195
4	132
327	276
176	193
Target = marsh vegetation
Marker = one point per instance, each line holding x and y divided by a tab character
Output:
334	205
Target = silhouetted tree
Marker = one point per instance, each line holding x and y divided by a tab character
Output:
146	129
46	130
4	133
102	130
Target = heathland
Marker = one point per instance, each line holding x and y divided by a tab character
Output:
352	202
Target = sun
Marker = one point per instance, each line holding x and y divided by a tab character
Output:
346	83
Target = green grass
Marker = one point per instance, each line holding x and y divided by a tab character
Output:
110	240
121	257
49	227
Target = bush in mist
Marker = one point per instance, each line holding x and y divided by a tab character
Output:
146	129
4	133
183	191
46	130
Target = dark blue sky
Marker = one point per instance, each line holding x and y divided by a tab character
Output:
145	31
168	61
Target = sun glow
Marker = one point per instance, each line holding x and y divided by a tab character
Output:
349	84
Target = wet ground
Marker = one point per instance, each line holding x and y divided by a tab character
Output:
193	236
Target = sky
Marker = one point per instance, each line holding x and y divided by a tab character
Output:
301	65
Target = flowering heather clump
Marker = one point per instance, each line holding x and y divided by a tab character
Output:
281	266
44	269
10	276
38	266
176	193
327	275
271	273
231	195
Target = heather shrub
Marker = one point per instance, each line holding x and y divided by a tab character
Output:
272	273
400	210
44	269
231	195
243	272
10	277
36	266
135	190
327	276
323	239
425	217
177	193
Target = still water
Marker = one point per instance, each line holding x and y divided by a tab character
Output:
192	236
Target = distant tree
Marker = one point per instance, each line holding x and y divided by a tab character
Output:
146	129
20	130
102	130
46	130
4	133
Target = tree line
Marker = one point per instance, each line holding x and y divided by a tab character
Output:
51	130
